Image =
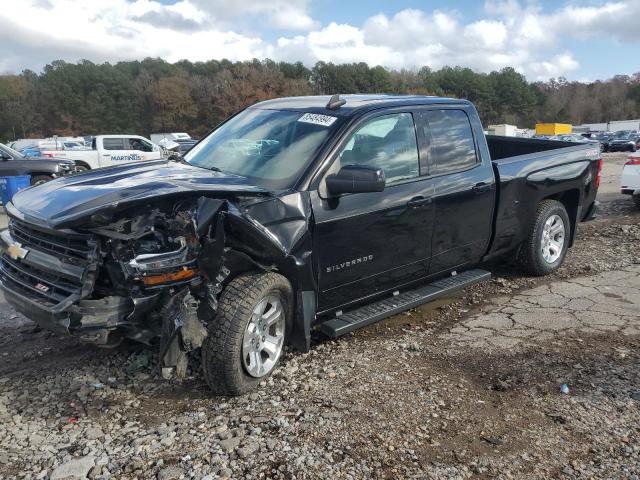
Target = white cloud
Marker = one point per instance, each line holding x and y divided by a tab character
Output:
511	33
280	14
558	66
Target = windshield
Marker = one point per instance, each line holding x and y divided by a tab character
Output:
623	135
10	151
271	147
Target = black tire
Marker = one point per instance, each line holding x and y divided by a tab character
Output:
530	255
40	179
636	200
81	167
222	361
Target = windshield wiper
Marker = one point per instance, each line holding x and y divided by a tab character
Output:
213	169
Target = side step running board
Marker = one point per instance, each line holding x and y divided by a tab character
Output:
374	312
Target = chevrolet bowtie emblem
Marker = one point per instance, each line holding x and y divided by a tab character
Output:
16	251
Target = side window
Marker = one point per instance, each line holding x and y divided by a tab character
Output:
387	142
451	139
113	144
139	144
147	146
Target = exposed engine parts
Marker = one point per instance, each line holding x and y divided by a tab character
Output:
160	270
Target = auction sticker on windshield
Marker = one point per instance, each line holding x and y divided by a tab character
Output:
318	119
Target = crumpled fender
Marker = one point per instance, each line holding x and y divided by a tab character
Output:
270	234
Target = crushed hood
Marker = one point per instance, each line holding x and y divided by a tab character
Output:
67	201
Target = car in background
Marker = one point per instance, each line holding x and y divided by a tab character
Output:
37	147
185	145
630	179
73	145
576	137
174	143
108	150
627	142
604	138
41	170
31	152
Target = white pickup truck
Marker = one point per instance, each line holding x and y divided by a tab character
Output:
109	150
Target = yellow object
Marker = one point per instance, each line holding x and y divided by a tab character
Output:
553	128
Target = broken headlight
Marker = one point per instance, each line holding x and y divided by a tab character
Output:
156	269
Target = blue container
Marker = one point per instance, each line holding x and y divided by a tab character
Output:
10	185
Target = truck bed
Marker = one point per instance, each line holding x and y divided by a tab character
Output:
529	170
504	149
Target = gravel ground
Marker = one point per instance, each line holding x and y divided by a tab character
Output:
420	395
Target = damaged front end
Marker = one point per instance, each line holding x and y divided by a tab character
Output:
153	272
135	277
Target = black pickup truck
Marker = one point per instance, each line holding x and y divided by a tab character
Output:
294	215
41	169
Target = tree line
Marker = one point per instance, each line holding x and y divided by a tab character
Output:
153	95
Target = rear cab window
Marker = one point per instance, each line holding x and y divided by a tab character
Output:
113	144
450	141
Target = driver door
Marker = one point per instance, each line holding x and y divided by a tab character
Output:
369	243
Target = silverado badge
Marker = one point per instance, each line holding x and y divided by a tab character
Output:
349	263
16	251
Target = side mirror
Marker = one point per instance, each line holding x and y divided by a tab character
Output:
356	179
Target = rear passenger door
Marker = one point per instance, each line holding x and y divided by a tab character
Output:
464	189
113	148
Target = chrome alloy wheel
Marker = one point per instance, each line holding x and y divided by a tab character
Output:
264	337
553	236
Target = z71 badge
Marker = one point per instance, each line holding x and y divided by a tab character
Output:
349	263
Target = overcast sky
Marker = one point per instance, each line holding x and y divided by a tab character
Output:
582	40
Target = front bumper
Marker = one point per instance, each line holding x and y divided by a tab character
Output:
51	289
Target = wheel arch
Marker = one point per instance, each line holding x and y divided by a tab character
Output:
41	174
570	199
304	298
82	163
33	175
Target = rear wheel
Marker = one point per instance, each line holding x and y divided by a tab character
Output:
636	200
40	179
247	336
545	248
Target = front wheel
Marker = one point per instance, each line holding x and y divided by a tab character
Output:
545	248
247	336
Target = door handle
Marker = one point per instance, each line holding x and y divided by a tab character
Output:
482	187
416	202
